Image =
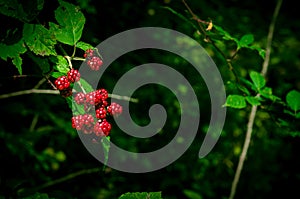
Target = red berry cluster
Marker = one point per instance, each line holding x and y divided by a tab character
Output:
97	124
89	123
63	83
93	60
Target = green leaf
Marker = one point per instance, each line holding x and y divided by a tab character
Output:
192	194
246	40
293	100
39	39
84	46
235	101
62	64
70	23
225	34
253	100
13	51
83	84
141	195
267	93
258	80
57	74
17	61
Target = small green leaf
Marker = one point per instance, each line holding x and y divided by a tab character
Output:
268	93
246	40
141	195
39	39
293	100
62	64
258	80
57	74
253	100
235	101
84	46
225	34
192	194
17	61
70	23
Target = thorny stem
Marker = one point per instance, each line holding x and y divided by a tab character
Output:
207	39
254	108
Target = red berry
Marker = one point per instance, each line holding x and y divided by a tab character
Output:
88	53
62	83
106	127
79	98
94	63
98	130
101	113
115	109
73	75
84	123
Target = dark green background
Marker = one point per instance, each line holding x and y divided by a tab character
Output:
272	164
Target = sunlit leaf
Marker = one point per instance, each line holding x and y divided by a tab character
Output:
235	101
70	23
293	100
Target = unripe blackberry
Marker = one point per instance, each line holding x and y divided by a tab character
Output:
79	98
62	83
101	113
106	127
114	109
94	63
73	75
88	53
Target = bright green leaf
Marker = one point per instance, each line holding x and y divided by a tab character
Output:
293	100
246	40
70	23
17	61
84	46
253	100
39	39
62	64
258	80
141	195
267	93
236	101
57	74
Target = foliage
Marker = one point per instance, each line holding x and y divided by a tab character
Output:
41	154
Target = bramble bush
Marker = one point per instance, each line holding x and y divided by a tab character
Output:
57	50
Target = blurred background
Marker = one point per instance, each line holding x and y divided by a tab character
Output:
39	146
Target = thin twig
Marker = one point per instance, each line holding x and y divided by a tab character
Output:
30	91
60	180
125	98
254	108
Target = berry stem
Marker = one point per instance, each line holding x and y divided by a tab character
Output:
78	58
69	61
125	98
